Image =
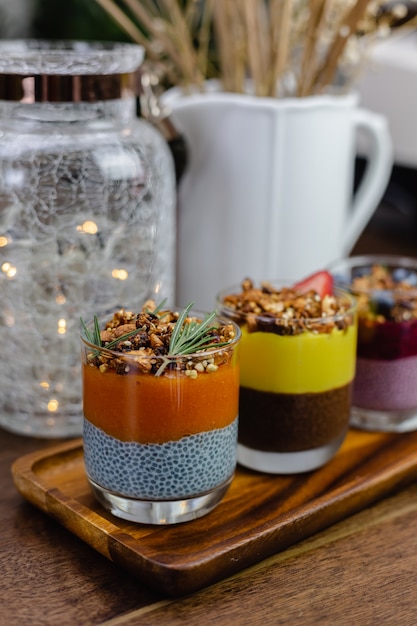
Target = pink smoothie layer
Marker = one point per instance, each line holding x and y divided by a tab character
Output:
386	385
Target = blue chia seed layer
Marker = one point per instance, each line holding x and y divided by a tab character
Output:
174	470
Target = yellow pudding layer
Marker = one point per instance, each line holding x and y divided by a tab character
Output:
301	363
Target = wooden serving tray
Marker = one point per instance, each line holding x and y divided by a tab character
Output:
259	516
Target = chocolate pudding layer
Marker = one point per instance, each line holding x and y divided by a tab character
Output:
281	422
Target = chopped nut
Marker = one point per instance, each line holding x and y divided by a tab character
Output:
155	341
247	284
148	349
285	311
381	296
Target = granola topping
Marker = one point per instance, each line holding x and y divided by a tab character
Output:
286	311
147	349
385	294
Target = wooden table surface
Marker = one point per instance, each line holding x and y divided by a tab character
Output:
361	571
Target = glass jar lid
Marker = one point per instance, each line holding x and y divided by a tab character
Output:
68	71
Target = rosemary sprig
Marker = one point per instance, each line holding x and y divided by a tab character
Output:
157	309
189	337
95	337
92	337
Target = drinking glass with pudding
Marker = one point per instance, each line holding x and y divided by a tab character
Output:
160	399
385	387
298	352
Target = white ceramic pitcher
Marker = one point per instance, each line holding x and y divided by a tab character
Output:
268	190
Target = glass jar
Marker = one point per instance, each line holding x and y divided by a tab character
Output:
87	217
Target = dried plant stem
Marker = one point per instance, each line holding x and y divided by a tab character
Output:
221	28
203	37
137	36
180	36
157	29
326	72
312	37
281	12
257	45
123	21
270	42
229	37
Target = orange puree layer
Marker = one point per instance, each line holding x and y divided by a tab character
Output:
149	409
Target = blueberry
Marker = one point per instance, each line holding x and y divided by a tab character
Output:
358	272
342	280
402	274
382	302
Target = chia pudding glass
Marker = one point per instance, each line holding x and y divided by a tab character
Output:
160	430
296	378
385	386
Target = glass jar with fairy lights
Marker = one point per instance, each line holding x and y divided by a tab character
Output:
87	217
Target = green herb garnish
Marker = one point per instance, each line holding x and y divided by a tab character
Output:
186	338
189	337
156	309
95	338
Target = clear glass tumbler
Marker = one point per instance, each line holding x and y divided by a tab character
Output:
385	386
160	448
295	383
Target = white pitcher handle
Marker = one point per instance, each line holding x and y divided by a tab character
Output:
375	178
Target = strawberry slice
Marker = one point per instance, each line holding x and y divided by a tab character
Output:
322	282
